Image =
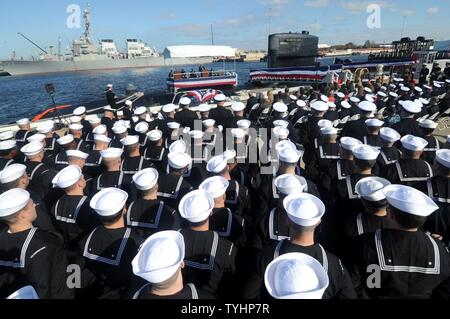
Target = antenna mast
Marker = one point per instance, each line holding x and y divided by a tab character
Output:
212	35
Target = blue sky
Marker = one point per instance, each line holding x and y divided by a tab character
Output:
238	23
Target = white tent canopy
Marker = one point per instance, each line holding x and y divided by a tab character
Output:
198	51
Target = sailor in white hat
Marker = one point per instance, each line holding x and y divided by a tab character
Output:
112	176
238	109
9	153
6	135
66	143
110	248
222	116
223	221
133	161
428	127
81	112
73	215
374	126
141	129
147	212
21	242
174	185
358	128
93	124
186	117
75	157
408	123
405	251
93	164
160	263
23	133
411	170
108	117
39	172
47	128
374	216
218	254
25	293
141	114
345	165
389	154
154	151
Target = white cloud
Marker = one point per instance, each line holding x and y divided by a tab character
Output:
316	26
168	16
274	2
433	10
361	6
407	13
317	3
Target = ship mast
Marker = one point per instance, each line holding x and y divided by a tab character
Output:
87	24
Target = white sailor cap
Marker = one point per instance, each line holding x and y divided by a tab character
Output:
331	105
368	90
178	147
185	101
209	123
146	179
12	173
77	154
204	108
108	108
329	130
237	106
304	209
288	184
383	87
155	135
447	81
159	257
319	106
141	127
140	110
369	98
285	143
244	124
382	94
46	127
324	123
109	86
94	120
426	123
389	135
348	143
169	108
296	276
427	87
75	119
215	186
67	139
79	111
443	157
24	121
367	106
173	125
238	133
354	99
324	98
102	138
220	98
300	103
109	201
7	135
340	95
293	97
365	152
371	188
196	206
418	89
100	130
130	140
7	145
217	164
13	201
179	160
75	127
374	122
437	85
393	94
229	154
424	101
289	155
32	149
280	107
404	88
418	103
25	293
196	134
67	177
128	103
111	153
119	129
413	143
36	138
410	200
280	132
345	105
281	123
